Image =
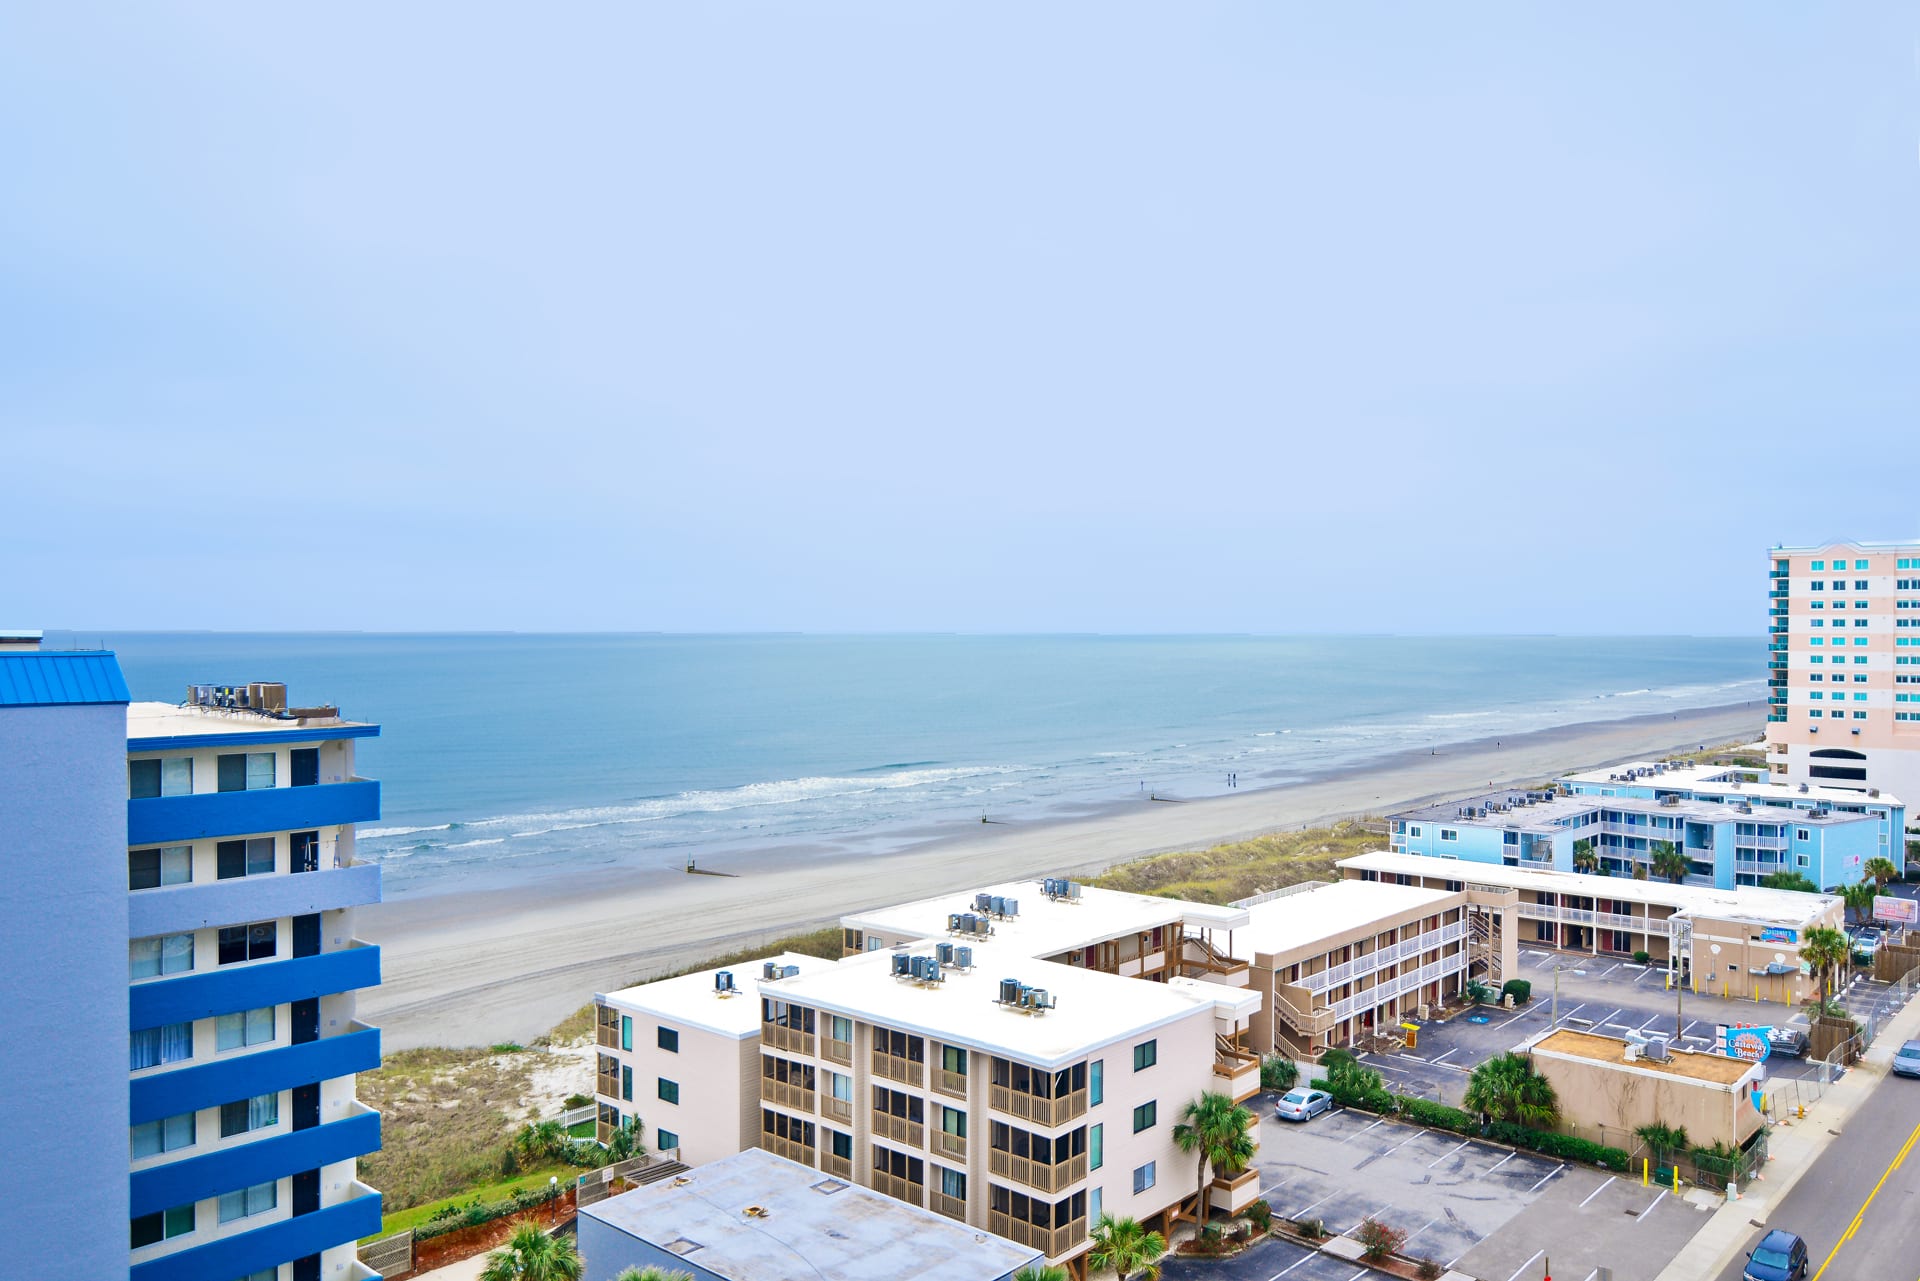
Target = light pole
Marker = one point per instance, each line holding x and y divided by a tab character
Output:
553	1195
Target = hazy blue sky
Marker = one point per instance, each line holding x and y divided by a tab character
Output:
1172	317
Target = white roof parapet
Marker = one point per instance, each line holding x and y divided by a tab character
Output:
1208	916
1235	1003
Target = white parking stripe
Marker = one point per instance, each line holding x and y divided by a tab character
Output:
1291	1266
1550	1173
1357	1133
1606	1020
1449	1054
1422	1228
1575	1010
1523	1267
1303	1209
1497	1164
1444	1155
1597	1191
1375	1216
1610	969
1649	1210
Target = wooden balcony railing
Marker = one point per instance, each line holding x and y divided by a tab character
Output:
899	1189
954	1083
608	1037
840	1052
786	1094
836	1109
887	1126
954	1145
787	1148
838	1166
776	1037
1040	1111
608	1083
905	1071
1052	1242
951	1206
1047	1178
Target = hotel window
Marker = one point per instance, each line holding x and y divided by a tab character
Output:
304	766
1860	564
626	1083
150	1138
1803	860
147	779
1096	1082
154	1046
1096	1146
150	869
1818	564
248	1202
252	857
953	1121
1820	604
626	1031
1146	1116
247	1115
668	1141
1816	677
1816	659
1449	834
163	1225
246	1027
1802	834
254	942
841	1145
1145	1055
667	1039
1859	622
669	1091
840	1086
1093	1205
953	1183
1413	831
1813	713
1859	716
1816	696
1839	584
1143	1178
165	954
245	771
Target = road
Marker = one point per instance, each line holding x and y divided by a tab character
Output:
1857	1205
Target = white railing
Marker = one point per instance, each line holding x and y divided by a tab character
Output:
1606	920
1382	957
1384	992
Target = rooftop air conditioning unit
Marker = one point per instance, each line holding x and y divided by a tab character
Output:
1633	1052
1657	1049
902	965
723	981
769	971
963	957
1873	791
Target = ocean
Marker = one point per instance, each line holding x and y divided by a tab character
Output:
508	757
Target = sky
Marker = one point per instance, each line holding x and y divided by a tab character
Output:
950	317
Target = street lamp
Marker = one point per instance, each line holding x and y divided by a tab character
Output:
553	1195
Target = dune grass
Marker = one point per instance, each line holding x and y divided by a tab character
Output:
445	1121
1227	872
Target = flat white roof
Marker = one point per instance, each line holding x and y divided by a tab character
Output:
171	720
1325	912
1721	778
809	1225
692	1001
1047	927
1745	903
1093	1008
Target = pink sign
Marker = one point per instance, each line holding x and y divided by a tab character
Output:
1904	910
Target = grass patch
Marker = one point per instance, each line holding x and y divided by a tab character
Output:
582	1130
498	1190
445	1121
1241	868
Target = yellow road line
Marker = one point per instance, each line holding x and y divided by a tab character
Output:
1854	1227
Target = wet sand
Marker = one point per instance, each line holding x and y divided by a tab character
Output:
474	967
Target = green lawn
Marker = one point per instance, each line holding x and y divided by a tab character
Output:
582	1130
499	1190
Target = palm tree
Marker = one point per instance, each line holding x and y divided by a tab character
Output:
1216	1129
1507	1088
661	1274
1032	1272
1822	948
532	1255
1584	858
1859	899
1881	870
1125	1246
1668	861
535	1143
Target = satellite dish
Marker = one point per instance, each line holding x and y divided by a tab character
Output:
1779	958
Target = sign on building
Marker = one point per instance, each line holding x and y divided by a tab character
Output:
1775	934
1749	1043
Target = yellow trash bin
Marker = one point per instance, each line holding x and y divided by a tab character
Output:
1413	1035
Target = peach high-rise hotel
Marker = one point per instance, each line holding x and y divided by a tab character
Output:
1844	667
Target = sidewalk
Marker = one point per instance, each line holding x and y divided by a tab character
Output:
1794	1147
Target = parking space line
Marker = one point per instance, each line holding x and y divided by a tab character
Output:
1610	969
1575	1010
1422	1228
1322	1201
1291	1266
1597	1191
1417	1132
1449	1054
1415	1057
1606	1020
1643	974
1550	1173
1497	1164
1444	1155
1357	1133
1523	1267
1650	1022
1649	1210
1375	1216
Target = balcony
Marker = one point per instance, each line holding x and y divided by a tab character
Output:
953	1145
905	1071
165	1092
899	1189
1053	1242
1031	1107
951	1206
786	1094
175	909
840	1052
950	1083
1046	1178
836	1110
838	1166
1239	1078
912	1134
1238	1192
163	820
245	1253
775	1036
242	1165
607	1084
787	1148
230	988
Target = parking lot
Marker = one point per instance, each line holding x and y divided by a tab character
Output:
1268	1261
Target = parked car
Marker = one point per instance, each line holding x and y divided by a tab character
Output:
1780	1256
1867	941
1302	1105
1788	1042
1906	1060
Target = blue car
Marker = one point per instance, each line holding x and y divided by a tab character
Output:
1906	1062
1780	1256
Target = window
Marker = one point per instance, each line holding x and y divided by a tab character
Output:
953	1183
150	1138
247	1115
840	1029
669	1091
304	764
1143	1178
953	1122
163	1226
626	1083
1145	1055
153	1046
1802	834
244	858
626	1031
248	1027
1096	1146
247	1202
1818	565
666	1141
1449	834
1414	830
150	869
164	954
840	1086
248	942
1093	1205
1096	1082
147	779
667	1039
245	771
1146	1115
1860	564
842	1145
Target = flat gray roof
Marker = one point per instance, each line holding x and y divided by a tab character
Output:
1511	810
809	1224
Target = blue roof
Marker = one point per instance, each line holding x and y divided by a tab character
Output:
59	679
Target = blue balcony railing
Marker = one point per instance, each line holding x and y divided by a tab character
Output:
174	909
276	1243
245	1165
156	1095
248	987
159	819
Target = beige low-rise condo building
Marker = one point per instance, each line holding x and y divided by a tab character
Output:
1015	1060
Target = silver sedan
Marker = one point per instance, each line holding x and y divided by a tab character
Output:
1302	1105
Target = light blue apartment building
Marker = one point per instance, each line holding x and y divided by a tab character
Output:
236	998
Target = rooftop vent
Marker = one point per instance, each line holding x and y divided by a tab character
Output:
1657	1049
680	1245
723	983
827	1187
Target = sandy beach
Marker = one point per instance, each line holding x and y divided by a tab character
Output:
475	967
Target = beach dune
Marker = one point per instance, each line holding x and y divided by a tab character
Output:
483	966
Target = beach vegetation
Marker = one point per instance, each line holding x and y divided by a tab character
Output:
1668	861
1238	869
1219	1133
661	1274
531	1255
1036	1272
1131	1250
1278	1072
1789	881
1506	1088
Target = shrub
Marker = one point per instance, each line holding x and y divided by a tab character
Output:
509	1163
577	1101
1377	1240
1520	989
1567	1147
1278	1072
1477	992
1260	1214
506	1047
1642	957
1428	1270
1435	1115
